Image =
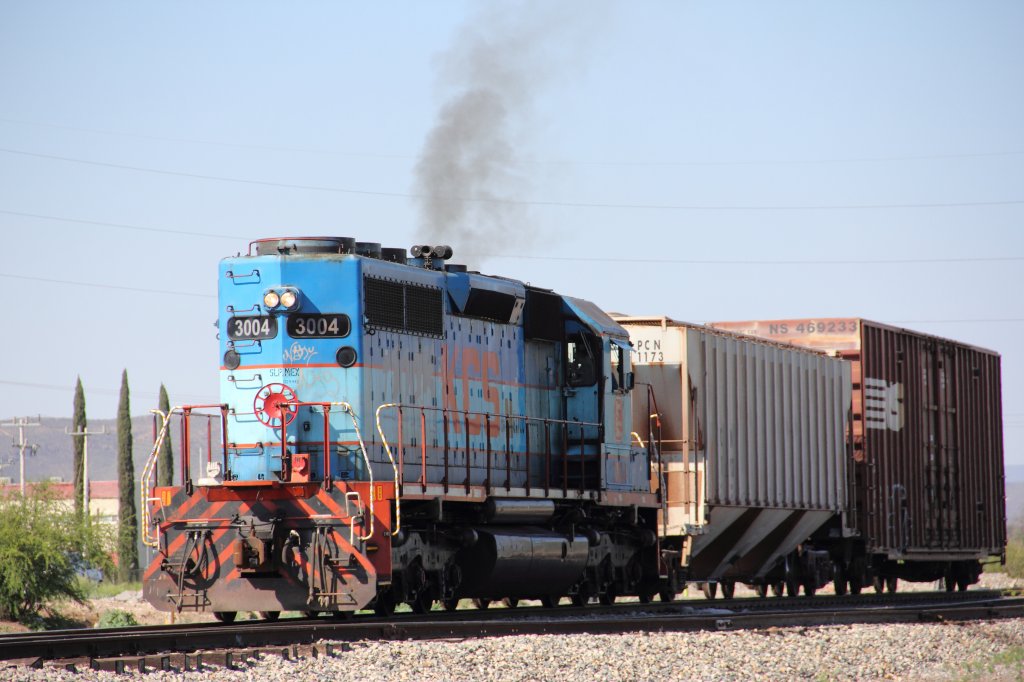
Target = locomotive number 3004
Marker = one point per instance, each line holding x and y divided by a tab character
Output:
252	327
318	326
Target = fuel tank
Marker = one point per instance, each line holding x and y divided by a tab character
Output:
506	562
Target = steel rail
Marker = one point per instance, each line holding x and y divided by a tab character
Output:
685	615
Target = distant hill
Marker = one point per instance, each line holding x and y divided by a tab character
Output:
54	455
1015	503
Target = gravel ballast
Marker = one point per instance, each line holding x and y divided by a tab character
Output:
867	652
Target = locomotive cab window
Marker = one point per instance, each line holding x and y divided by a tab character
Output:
622	378
581	369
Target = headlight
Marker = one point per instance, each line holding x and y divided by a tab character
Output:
271	299
288	299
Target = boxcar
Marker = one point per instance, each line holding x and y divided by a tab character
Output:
927	489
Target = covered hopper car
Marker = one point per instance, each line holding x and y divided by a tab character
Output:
754	441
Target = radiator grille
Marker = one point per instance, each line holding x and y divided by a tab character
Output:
403	307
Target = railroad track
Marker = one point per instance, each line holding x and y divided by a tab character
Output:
195	645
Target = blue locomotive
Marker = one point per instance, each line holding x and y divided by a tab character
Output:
398	429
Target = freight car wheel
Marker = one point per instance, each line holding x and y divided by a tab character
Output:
728	589
810	588
510	603
855	584
879	584
667	596
709	590
450	604
270	615
761	590
892	584
481	603
580	599
839	579
550	601
962	584
225	616
792	587
778	589
608	598
950	582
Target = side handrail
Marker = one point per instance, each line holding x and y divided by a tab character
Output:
347	409
387	449
465	414
145	482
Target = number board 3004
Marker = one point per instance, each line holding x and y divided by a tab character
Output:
318	326
255	327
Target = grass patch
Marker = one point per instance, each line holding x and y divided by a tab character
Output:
116	618
1015	552
94	590
1010	660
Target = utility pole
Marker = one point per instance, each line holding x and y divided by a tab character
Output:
22	423
85	433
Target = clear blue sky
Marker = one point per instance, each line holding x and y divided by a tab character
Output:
788	133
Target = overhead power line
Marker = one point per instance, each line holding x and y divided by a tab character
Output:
70	388
141	228
582	259
699	261
553	162
96	285
514	202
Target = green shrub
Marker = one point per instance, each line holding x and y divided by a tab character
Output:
42	546
1015	552
116	618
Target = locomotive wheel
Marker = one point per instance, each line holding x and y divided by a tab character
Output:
384	606
879	584
761	590
551	601
270	615
481	603
667	595
423	603
709	590
510	602
450	604
778	589
728	589
892	584
225	616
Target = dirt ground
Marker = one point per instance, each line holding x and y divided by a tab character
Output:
88	614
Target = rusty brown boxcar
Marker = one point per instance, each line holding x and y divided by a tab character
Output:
927	492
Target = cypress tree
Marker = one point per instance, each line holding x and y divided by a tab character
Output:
78	423
127	531
165	460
